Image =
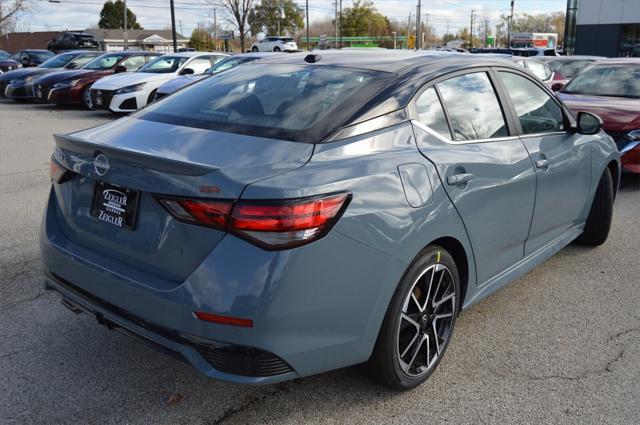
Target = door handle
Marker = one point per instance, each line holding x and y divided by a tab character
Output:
542	163
459	179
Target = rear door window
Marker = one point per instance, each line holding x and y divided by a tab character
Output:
473	107
431	113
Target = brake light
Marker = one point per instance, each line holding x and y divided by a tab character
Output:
273	224
58	173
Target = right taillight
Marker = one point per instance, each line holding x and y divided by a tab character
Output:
272	224
59	174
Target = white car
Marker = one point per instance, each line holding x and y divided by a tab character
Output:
129	91
275	44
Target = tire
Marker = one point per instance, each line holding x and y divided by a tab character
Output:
86	98
254	49
596	229
151	98
276	49
409	328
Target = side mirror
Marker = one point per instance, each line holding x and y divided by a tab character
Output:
589	123
187	71
118	69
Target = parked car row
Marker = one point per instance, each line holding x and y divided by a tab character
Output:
307	212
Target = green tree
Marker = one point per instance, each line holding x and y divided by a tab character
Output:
112	16
272	15
201	40
362	19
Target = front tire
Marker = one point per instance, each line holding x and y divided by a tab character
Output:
419	321
152	97
86	98
254	49
276	49
596	229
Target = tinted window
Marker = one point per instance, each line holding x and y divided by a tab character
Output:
539	70
431	114
289	102
537	111
41	56
607	80
473	107
164	64
229	63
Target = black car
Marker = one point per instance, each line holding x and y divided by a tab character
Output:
6	63
73	40
31	57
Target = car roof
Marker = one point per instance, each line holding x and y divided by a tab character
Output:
395	61
33	50
188	54
133	52
619	61
573	57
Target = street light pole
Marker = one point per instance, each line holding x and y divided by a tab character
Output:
510	26
307	4
340	24
126	33
418	29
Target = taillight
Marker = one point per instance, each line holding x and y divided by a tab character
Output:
58	173
273	224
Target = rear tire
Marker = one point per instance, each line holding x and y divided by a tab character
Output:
419	322
596	229
276	49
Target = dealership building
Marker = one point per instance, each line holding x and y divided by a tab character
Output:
603	27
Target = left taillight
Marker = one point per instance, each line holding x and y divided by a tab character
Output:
58	173
272	224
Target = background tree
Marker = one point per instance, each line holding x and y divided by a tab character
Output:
112	16
10	10
363	19
272	15
239	12
201	40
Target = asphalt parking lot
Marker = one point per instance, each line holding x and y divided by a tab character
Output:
560	345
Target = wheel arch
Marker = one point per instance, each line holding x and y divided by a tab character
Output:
457	251
614	169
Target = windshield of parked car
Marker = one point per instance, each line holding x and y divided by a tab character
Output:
569	68
286	39
58	61
607	80
288	102
229	63
104	62
4	56
164	64
41	55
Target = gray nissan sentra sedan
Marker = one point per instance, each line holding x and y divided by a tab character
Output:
316	211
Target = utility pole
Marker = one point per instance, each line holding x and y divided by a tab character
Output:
215	31
418	29
340	24
408	29
471	31
126	33
173	27
428	30
510	26
548	19
335	40
307	5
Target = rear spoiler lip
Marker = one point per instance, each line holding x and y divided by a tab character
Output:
143	159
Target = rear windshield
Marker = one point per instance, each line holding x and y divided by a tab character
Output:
288	102
104	62
42	56
164	64
58	61
569	68
607	80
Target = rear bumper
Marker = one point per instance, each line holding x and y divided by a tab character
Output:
314	308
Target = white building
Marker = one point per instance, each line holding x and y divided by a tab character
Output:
154	40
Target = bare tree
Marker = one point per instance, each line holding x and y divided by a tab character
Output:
239	11
9	12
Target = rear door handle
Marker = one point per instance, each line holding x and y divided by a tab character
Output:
458	179
542	163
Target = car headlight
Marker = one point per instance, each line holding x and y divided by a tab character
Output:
64	84
129	89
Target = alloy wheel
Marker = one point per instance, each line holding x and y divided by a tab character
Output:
426	320
86	98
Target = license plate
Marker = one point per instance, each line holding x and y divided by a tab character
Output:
115	205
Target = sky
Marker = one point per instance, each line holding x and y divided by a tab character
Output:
154	14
